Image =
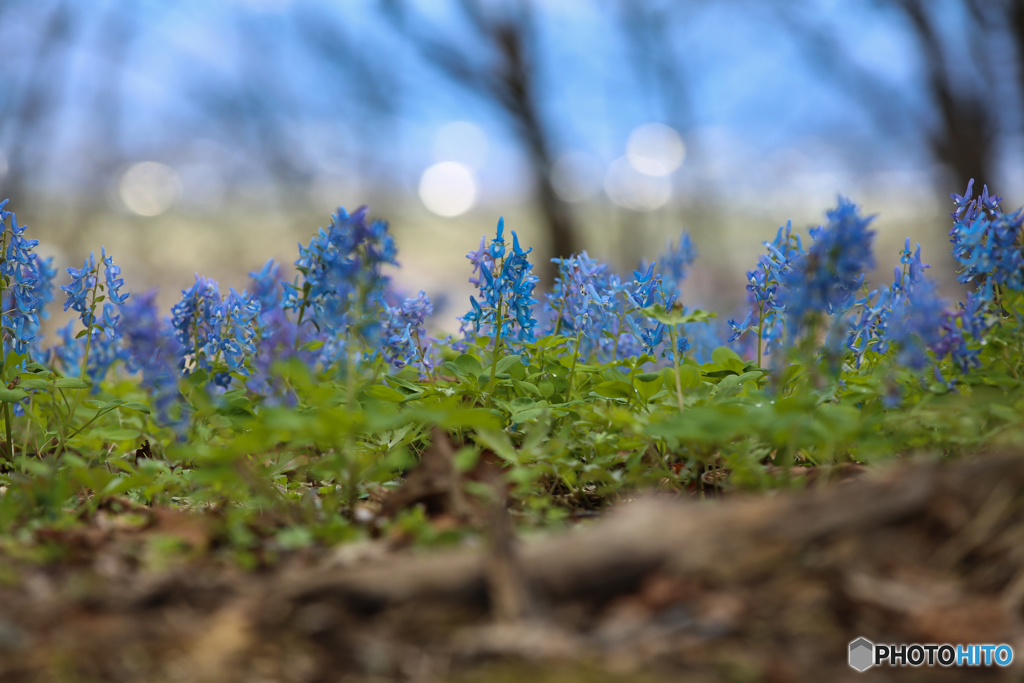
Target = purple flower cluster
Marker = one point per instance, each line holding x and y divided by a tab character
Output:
986	241
340	286
152	349
275	330
826	277
99	345
648	290
211	329
505	287
763	289
675	264
404	335
29	283
585	300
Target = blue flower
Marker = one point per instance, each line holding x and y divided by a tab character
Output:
405	338
195	320
340	287
152	349
675	264
916	324
870	315
82	283
29	282
766	309
505	287
69	352
113	278
585	300
826	277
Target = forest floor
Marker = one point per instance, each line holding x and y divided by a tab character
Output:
661	588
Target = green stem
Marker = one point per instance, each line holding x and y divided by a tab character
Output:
572	370
302	311
62	436
3	364
675	365
760	329
497	346
10	432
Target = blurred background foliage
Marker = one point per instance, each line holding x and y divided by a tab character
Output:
191	135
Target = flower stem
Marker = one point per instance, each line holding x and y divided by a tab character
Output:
63	436
572	370
3	364
675	365
497	347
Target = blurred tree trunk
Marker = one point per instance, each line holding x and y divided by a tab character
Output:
32	105
963	72
965	141
503	71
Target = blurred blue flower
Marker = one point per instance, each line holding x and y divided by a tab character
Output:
152	349
675	264
584	299
112	274
340	287
869	315
766	312
68	353
825	278
404	335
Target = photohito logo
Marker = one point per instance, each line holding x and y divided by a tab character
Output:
864	654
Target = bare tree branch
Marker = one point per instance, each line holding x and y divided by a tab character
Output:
508	79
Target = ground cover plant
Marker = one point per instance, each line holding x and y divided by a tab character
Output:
291	413
301	482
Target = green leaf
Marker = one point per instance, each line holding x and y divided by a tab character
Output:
466	458
405	384
115	434
81	334
658	312
749	376
12	395
382	392
478	418
614	389
722	353
528	415
689	378
71	383
526	387
33	383
312	345
521	403
507	362
469	365
648	388
135	405
735	365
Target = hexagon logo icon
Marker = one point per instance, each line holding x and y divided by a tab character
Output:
862	654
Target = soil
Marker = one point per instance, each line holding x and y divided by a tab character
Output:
745	588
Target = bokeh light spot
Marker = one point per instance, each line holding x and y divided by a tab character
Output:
448	189
149	188
655	149
629	188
